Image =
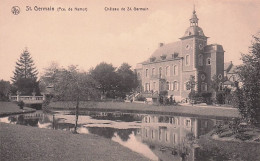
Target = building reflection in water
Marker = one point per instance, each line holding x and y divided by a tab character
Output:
170	137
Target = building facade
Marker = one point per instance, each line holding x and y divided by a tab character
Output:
171	65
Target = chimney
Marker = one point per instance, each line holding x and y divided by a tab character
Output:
161	44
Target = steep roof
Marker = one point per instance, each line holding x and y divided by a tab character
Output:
227	66
165	52
168	49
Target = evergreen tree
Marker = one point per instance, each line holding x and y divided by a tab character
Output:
25	67
25	75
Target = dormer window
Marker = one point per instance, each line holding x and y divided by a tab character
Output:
163	57
152	59
175	55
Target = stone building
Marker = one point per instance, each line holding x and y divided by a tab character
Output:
171	65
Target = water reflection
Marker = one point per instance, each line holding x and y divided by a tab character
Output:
158	137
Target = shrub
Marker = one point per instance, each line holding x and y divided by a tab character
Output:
141	98
20	104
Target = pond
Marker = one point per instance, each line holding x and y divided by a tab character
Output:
157	137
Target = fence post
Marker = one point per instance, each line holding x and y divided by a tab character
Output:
33	97
18	96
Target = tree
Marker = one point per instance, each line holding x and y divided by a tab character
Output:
217	91
74	86
49	77
25	75
25	67
190	85
214	83
127	79
249	73
106	77
5	89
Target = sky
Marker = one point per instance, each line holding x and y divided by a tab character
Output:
87	38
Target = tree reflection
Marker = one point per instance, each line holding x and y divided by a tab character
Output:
125	133
102	131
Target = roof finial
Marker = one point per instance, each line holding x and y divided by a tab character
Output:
194	19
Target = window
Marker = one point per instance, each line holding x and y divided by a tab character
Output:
187	60
160	72
167	86
146	133
175	70
219	76
187	122
174	138
203	77
153	72
220	86
208	61
200	46
175	85
174	121
167	71
146	72
139	75
160	134
167	136
147	86
203	86
153	134
200	60
187	47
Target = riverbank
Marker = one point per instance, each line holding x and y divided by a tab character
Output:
11	108
29	143
228	149
209	111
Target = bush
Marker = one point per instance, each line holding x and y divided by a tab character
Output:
141	98
20	104
220	98
163	93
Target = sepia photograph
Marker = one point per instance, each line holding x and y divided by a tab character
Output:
130	80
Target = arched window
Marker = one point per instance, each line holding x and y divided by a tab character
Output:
200	60
160	72
187	60
175	70
175	86
167	71
146	72
153	72
147	86
167	86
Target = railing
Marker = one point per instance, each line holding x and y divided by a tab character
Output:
28	99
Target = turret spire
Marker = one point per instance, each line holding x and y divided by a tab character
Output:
194	19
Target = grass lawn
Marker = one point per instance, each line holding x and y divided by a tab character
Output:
146	108
7	108
29	143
